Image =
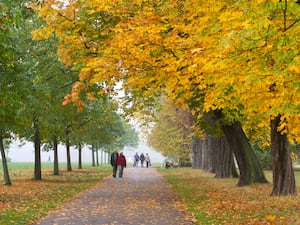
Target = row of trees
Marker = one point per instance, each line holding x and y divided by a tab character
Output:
172	133
233	64
34	91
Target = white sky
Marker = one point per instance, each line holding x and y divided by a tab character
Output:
25	153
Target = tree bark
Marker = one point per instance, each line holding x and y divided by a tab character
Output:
213	155
55	162
67	132
224	163
69	166
37	152
6	177
283	174
79	156
198	147
249	166
93	156
97	157
195	153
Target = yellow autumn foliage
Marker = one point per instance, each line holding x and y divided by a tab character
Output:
238	56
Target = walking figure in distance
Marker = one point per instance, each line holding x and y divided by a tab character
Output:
136	159
114	161
147	159
121	164
142	158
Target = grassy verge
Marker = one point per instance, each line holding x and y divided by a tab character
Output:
27	200
219	201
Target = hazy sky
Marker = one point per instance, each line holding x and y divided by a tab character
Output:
25	153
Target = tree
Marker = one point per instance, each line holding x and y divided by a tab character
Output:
10	79
172	133
283	173
144	76
218	54
265	62
212	154
6	176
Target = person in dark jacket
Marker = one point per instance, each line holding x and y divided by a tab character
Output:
121	164
142	158
136	160
114	161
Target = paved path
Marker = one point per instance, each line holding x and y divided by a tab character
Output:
141	197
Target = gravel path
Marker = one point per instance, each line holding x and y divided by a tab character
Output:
141	197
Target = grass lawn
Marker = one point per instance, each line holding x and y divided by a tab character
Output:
26	199
219	201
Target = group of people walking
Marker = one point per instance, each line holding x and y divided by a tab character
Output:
143	158
118	162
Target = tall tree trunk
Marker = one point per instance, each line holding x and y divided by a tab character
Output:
93	155
97	157
249	166
79	156
209	160
101	157
6	177
69	166
37	152
55	162
67	132
250	169
223	160
213	155
196	153
283	174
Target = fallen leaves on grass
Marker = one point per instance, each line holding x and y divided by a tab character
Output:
27	199
220	201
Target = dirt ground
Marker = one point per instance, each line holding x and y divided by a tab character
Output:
141	197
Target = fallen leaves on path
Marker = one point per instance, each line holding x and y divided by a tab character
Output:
141	197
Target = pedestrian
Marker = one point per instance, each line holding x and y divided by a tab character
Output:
114	161
147	159
136	159
121	164
142	158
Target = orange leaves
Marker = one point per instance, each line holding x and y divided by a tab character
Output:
74	97
91	96
67	100
43	33
85	74
271	218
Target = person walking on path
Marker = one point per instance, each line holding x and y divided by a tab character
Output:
114	162
142	158
118	201
147	160
136	159
121	164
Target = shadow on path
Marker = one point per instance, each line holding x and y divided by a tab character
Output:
142	196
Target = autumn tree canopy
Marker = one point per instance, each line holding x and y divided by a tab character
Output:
237	57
